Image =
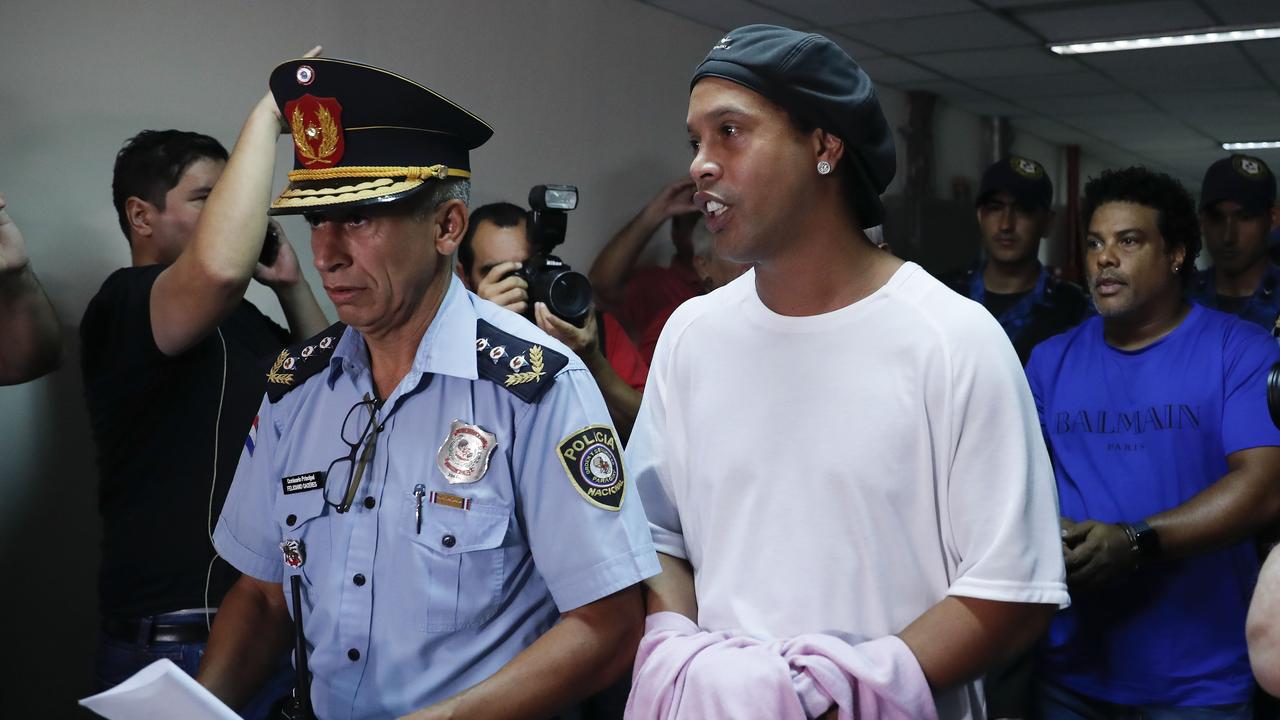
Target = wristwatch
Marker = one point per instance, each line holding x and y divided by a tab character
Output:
1143	540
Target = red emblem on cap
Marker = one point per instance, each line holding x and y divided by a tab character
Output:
317	130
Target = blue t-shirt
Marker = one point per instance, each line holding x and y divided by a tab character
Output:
1133	434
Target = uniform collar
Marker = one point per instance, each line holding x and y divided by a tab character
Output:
447	348
1269	284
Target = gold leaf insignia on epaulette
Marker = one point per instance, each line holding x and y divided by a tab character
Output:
534	372
275	376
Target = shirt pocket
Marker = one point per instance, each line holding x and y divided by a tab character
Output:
463	555
304	536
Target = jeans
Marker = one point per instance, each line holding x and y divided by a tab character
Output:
1058	703
118	660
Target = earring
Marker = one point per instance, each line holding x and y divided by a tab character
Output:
1176	269
824	167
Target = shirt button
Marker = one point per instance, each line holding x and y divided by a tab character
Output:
369	502
448	541
353	654
358	579
291	520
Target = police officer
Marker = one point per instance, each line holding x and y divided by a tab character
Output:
1029	301
1237	212
439	474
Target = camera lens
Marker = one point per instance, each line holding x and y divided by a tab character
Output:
567	294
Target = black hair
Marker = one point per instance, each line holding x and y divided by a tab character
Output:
502	214
1176	216
152	162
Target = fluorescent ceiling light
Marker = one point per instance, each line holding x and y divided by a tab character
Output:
1147	42
1257	145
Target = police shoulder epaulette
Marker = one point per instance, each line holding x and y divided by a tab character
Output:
298	362
526	369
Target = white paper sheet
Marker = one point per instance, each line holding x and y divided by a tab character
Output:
159	690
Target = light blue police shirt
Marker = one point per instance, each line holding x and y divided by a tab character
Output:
436	610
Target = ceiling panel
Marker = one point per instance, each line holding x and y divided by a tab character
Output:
1262	49
938	33
894	71
829	13
1079	104
1246	12
1039	86
1215	76
858	51
948	89
1166	58
1212	102
1028	3
726	15
1003	62
1114	19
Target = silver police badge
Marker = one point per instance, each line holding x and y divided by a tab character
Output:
464	456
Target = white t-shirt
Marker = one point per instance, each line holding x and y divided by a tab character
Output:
844	472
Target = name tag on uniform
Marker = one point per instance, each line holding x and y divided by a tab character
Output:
303	483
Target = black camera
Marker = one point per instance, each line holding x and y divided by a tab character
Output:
566	292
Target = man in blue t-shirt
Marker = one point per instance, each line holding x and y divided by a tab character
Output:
1167	464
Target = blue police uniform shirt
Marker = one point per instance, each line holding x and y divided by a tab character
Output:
1262	308
1132	434
1051	307
398	617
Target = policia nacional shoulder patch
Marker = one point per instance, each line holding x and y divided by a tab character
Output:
591	457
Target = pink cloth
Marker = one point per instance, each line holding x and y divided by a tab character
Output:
684	672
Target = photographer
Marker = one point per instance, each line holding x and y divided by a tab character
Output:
174	362
495	246
643	296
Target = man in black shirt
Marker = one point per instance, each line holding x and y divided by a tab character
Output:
1014	211
174	362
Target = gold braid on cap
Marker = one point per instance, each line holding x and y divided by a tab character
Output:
437	172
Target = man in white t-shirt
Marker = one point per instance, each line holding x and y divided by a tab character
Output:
836	442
